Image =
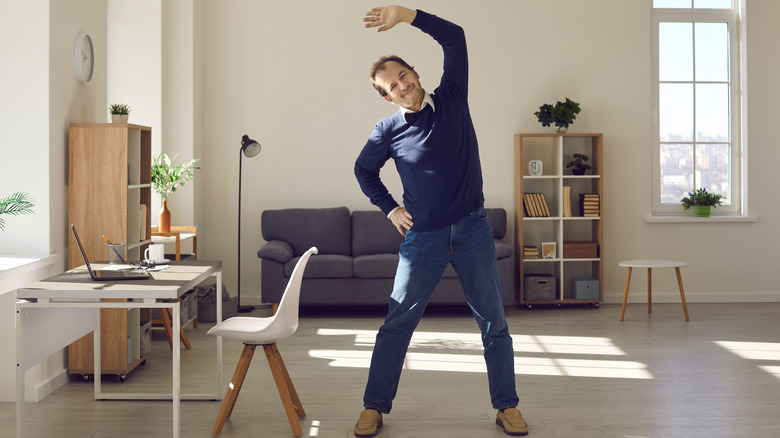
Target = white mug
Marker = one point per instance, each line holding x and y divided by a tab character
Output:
155	251
535	167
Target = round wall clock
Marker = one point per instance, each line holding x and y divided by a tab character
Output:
84	57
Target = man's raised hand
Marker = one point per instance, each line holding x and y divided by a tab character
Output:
388	16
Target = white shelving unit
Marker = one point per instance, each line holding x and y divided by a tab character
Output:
555	150
110	195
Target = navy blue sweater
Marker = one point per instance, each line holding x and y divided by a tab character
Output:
436	152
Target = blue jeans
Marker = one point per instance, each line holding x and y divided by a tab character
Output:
469	246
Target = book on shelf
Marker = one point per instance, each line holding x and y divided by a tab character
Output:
566	201
142	213
543	201
590	204
530	252
528	205
535	205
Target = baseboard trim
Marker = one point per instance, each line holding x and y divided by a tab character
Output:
47	387
640	296
251	301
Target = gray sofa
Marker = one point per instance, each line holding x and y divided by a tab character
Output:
358	256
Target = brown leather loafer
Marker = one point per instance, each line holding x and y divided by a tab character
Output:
512	421
369	423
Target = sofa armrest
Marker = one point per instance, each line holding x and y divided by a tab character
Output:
277	251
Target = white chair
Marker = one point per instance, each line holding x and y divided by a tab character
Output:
266	332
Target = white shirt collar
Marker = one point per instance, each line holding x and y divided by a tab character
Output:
427	100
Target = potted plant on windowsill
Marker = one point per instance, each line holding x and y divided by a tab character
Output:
119	112
562	114
578	164
17	204
166	178
702	201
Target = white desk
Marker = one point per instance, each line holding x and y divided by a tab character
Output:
63	308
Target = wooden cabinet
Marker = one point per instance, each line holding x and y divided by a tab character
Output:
549	211
110	195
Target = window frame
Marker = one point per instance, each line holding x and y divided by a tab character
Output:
737	104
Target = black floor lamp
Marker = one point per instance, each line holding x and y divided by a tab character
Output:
250	148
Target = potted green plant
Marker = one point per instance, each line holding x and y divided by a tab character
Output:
119	112
17	204
578	164
562	114
166	178
702	201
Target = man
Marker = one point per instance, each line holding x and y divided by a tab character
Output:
434	146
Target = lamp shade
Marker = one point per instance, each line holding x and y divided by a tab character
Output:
249	147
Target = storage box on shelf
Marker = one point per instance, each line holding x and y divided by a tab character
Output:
585	288
562	208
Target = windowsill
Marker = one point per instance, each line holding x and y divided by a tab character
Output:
15	271
698	220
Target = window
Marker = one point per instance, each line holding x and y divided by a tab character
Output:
697	118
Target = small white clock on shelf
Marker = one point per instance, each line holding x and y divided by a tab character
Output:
535	167
84	57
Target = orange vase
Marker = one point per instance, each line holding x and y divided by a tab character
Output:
165	218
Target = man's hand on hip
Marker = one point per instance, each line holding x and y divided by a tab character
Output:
388	16
402	220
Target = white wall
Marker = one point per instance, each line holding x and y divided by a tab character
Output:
134	69
293	75
41	97
24	122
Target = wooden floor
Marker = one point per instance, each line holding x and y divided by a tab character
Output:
580	373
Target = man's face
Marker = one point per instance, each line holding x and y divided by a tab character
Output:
401	84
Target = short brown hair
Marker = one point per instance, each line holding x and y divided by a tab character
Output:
380	65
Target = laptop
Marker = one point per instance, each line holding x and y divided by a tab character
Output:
107	275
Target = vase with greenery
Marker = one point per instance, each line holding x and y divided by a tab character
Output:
17	204
562	114
119	112
578	164
166	178
702	201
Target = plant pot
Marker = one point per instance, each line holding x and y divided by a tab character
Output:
119	118
165	218
561	130
576	171
703	210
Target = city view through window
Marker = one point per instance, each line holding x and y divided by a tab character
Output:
694	96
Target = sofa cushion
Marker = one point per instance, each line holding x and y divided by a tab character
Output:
502	249
323	266
497	218
276	250
326	228
376	266
373	233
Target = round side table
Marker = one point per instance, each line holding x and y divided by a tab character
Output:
650	264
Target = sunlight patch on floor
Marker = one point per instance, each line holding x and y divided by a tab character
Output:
475	363
755	351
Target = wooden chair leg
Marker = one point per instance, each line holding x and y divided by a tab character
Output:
649	290
166	321
290	400
625	294
167	318
234	388
184	338
682	293
293	393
